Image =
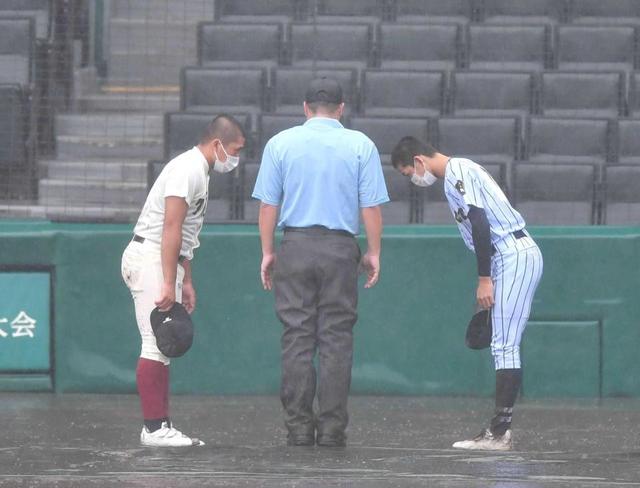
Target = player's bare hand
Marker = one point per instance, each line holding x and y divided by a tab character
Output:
266	270
167	297
189	297
371	265
485	292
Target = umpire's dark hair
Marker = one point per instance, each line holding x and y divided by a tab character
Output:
224	127
408	148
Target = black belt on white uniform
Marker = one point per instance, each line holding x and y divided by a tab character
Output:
518	234
140	239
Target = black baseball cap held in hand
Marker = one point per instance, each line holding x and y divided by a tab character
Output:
479	330
325	90
173	330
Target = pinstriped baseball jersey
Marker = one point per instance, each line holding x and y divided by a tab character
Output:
467	183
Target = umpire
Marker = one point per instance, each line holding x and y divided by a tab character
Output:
319	176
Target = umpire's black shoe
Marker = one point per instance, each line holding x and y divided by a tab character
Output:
301	439
331	440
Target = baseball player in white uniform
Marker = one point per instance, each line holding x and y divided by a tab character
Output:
156	265
509	266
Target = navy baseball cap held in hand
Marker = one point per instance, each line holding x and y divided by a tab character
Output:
325	90
173	330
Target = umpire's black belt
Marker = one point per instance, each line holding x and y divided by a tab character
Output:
140	239
318	230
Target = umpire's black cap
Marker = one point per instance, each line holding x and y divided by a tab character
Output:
173	330
325	90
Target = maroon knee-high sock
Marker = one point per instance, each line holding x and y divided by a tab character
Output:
152	381
166	391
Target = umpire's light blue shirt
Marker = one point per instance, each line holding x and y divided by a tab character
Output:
321	174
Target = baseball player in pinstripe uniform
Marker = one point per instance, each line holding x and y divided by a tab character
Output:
509	266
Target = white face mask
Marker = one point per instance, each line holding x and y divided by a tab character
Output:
228	165
427	179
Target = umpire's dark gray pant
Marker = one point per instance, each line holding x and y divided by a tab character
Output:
316	292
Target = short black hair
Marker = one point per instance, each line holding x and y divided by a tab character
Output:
224	127
408	148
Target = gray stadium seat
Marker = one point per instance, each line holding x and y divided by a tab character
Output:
420	46
250	206
38	10
398	210
622	199
424	11
239	45
628	144
270	125
555	194
17	43
385	132
508	47
328	45
13	127
222	188
182	130
484	93
403	93
568	141
523	11
605	12
595	48
214	90
290	85
489	141
634	95
583	94
252	11
353	11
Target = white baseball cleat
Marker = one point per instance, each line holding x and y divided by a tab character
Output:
486	441
167	436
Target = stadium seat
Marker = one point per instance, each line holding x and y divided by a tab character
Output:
403	93
568	141
250	206
523	11
329	45
252	11
420	46
38	10
622	199
270	125
595	48
634	95
555	194
628	144
182	130
508	47
583	94
214	90
352	11
290	85
13	127
17	44
489	141
431	205
436	11
386	132
602	12
239	45
401	193
481	93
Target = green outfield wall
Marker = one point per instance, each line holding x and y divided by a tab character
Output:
583	339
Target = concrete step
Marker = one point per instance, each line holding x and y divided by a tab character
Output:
110	125
91	193
78	147
148	68
73	213
193	10
130	102
152	36
106	170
